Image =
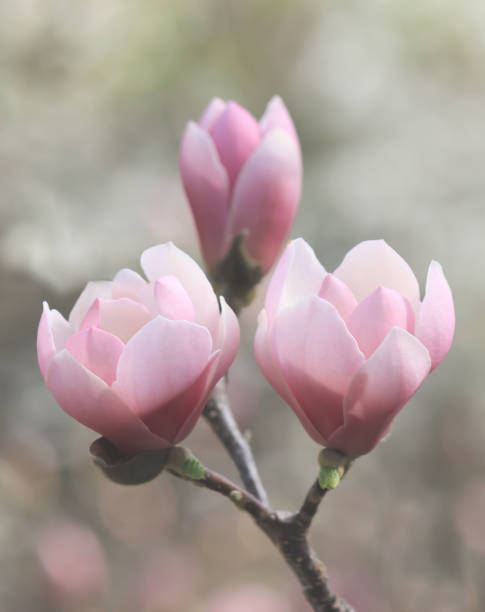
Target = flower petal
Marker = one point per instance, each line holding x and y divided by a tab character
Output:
266	197
271	371
376	315
167	259
93	290
92	402
176	418
373	263
379	390
215	107
227	339
297	275
236	134
318	357
206	185
160	362
436	320
172	299
337	293
122	317
98	351
276	115
129	284
52	334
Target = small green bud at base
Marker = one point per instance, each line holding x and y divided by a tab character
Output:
329	477
193	468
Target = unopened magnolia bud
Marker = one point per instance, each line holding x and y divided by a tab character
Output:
329	477
329	457
127	470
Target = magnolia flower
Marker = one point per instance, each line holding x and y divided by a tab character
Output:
347	350
242	177
137	360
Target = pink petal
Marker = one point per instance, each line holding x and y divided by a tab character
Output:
373	263
297	275
276	115
436	320
235	134
215	108
206	185
376	315
227	339
167	260
160	362
176	418
122	317
98	351
129	284
266	197
318	358
92	402
93	290
337	293
379	390
52	334
172	299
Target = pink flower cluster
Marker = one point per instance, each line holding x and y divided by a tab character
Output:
137	360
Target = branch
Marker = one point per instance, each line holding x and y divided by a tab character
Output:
288	533
305	515
218	413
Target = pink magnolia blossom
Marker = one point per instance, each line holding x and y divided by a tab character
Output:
347	350
137	360
241	176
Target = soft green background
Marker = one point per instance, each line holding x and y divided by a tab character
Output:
389	102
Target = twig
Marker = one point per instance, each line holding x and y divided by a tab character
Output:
288	533
219	415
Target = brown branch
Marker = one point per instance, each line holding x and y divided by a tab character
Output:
288	533
219	416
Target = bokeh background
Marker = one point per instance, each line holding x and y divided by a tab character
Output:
389	102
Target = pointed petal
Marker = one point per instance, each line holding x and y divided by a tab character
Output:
227	339
176	418
160	362
373	263
206	185
122	317
276	115
379	390
376	315
166	260
129	284
337	293
235	134
172	299
297	275
92	402
436	320
98	351
215	107
52	334
93	290
317	357
266	197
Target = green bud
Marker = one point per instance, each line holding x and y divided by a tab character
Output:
329	477
193	468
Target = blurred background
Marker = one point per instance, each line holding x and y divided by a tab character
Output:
389	102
